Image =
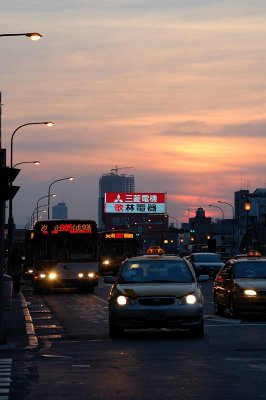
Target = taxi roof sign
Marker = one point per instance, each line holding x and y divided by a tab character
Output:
253	253
155	250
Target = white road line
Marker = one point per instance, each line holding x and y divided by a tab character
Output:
5	377
98	298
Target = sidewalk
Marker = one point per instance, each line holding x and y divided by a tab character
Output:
18	325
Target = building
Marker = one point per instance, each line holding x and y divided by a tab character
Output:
112	182
59	211
252	223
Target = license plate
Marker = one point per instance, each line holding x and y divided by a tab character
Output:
156	316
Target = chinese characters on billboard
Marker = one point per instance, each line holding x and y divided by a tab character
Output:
135	203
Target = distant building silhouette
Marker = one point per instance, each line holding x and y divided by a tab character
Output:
110	183
59	211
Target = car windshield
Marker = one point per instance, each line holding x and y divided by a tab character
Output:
250	269
207	257
156	271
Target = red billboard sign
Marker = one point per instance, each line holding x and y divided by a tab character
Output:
143	203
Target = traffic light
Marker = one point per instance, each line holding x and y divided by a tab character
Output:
7	176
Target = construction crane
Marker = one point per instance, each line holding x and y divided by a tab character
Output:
116	169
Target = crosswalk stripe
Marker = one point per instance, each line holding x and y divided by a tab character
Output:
5	377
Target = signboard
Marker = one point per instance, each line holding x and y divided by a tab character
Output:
55	229
135	203
119	235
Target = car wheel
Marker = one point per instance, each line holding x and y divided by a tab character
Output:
218	309
233	311
115	331
198	330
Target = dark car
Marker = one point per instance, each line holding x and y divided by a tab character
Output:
206	263
241	286
155	291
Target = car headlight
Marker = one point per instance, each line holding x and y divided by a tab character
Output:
81	275
123	300
91	274
189	299
250	292
42	276
52	275
106	262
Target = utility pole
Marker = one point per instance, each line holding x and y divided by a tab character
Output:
2	232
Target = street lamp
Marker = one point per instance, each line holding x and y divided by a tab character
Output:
27	162
211	205
32	218
47	123
247	207
10	217
43	197
233	211
70	178
32	35
170	216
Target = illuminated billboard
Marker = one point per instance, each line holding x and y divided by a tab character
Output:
135	203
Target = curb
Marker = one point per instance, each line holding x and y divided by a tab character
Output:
32	338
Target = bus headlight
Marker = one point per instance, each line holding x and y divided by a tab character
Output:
250	292
52	275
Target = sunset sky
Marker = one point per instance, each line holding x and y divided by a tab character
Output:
175	89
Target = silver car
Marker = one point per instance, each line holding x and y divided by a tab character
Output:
206	263
155	291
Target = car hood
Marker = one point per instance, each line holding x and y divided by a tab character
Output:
156	289
248	283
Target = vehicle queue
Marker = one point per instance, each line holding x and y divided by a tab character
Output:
164	291
154	290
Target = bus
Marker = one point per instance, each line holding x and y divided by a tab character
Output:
64	253
115	247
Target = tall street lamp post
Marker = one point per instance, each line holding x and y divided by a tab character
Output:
33	36
247	207
211	205
43	197
10	217
176	223
233	215
70	178
32	218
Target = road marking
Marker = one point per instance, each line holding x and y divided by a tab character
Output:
5	377
98	298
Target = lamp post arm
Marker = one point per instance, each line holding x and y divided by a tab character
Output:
13	134
70	178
